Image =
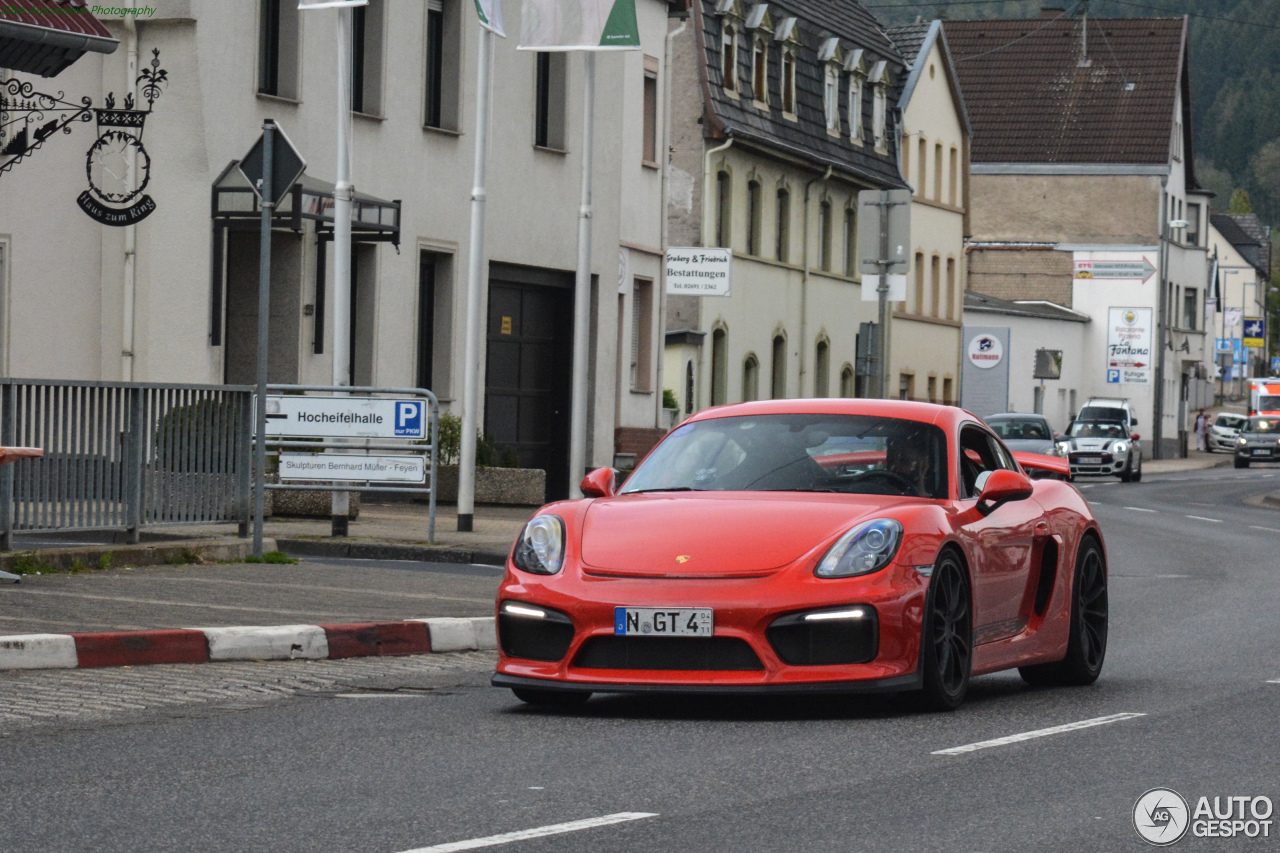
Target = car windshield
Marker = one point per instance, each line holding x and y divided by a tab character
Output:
1096	429
1101	413
1026	429
1268	403
1263	425
854	454
1230	421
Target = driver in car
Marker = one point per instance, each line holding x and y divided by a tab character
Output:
909	459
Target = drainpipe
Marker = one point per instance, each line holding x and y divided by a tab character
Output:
706	186
131	171
804	279
661	349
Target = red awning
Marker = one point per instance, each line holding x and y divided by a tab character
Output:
45	36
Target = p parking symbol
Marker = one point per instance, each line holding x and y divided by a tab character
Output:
408	418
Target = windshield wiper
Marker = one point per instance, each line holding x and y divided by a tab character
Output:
667	489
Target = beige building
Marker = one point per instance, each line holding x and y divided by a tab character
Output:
782	113
924	339
174	298
1240	248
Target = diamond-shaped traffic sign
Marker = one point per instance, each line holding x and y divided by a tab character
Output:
287	166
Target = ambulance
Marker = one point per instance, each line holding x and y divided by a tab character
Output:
1264	397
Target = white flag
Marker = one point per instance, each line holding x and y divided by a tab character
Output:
330	4
490	12
579	25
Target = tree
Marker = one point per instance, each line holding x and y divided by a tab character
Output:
1265	165
1240	202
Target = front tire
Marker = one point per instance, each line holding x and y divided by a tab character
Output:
1241	463
947	637
550	698
1087	644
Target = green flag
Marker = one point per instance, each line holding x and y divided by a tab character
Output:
490	12
579	25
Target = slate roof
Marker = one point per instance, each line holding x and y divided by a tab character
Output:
45	36
910	39
1248	235
1031	101
1032	308
817	20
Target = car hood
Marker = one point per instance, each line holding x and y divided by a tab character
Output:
717	535
1260	439
1030	445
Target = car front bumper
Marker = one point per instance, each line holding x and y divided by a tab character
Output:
1108	466
1270	453
741	656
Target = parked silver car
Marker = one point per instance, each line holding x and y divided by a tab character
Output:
1103	448
1025	433
1225	431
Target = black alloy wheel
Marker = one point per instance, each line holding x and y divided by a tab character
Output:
947	636
1090	616
550	698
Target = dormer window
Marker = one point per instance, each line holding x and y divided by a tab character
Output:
759	25
830	55
790	38
879	77
855	65
729	56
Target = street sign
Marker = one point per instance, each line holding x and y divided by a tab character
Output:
1275	364
699	272
1129	346
1048	364
870	208
871	288
287	166
345	417
351	468
1135	270
1253	328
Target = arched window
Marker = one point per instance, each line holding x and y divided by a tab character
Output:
719	367
724	199
824	235
788	80
846	382
778	377
782	250
754	215
760	70
851	241
750	379
822	370
688	388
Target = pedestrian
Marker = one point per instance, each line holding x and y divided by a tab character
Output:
1202	431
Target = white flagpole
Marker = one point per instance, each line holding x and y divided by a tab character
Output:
471	380
582	288
342	197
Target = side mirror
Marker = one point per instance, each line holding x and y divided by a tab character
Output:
1133	422
1004	486
598	484
1059	437
1135	437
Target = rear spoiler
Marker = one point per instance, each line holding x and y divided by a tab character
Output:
1038	462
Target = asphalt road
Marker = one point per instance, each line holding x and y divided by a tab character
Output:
403	755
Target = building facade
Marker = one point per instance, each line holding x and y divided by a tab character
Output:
782	113
174	298
924	360
1241	251
1084	194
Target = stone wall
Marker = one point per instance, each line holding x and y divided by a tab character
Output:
1014	273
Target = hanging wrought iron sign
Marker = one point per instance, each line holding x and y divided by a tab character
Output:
28	118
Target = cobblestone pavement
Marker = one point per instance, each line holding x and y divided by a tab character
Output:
53	699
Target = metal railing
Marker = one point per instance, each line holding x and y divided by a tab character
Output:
124	456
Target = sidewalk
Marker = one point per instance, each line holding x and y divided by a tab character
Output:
1197	460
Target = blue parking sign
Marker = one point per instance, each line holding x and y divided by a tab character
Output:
1113	376
408	419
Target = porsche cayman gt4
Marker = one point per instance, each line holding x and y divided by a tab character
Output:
803	546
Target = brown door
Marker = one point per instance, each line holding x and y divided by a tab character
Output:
527	380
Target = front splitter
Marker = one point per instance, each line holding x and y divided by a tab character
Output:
897	684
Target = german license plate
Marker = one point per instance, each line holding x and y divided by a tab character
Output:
1261	451
1089	460
662	622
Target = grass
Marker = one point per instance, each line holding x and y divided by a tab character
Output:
279	558
31	564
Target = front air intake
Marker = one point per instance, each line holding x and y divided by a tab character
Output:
708	654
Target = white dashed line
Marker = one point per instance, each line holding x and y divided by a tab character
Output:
1268	529
1140	509
378	695
1274	681
1202	518
1038	733
539	832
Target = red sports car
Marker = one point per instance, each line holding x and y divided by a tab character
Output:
806	546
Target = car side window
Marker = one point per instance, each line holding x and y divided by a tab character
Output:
979	456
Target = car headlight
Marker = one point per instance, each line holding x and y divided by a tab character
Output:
866	548
1119	447
540	548
1243	442
1064	448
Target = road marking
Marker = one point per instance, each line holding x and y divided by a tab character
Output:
1151	577
378	695
539	832
1038	733
1268	529
1140	509
1202	518
1274	681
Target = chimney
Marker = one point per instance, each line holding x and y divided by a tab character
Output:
1051	11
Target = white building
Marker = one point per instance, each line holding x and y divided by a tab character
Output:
80	303
1241	248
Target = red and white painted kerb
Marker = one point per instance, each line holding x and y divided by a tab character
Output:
274	642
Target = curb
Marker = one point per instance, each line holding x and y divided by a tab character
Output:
380	551
152	554
248	643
